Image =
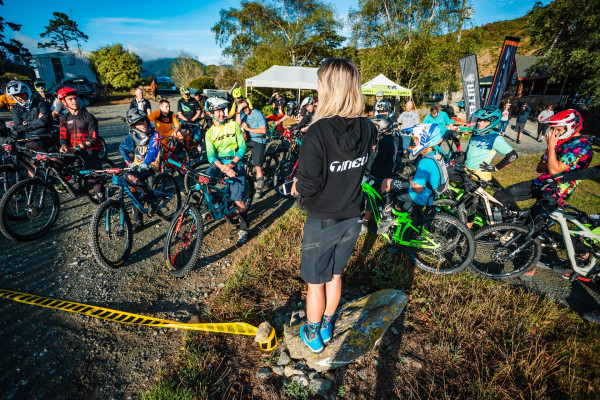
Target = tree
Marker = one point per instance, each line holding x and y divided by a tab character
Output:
211	70
203	82
568	37
185	69
61	30
116	66
287	32
408	41
13	49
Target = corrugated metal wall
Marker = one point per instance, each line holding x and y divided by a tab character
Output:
73	64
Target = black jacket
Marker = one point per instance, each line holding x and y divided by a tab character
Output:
383	164
36	124
145	105
333	159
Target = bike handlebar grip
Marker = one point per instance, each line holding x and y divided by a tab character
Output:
175	163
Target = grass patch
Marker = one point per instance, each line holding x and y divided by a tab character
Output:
461	337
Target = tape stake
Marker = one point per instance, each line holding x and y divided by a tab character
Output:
234	328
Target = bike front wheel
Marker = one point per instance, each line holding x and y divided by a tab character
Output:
440	244
28	210
183	242
166	189
111	234
505	251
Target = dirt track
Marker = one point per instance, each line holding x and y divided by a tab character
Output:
53	354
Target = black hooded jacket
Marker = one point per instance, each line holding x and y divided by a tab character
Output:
38	118
333	159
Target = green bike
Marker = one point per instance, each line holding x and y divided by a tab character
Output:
435	242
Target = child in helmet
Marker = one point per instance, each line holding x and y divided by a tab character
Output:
430	178
188	111
225	148
31	116
486	142
237	97
145	142
567	151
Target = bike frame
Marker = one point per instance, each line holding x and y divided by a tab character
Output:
563	218
403	223
124	190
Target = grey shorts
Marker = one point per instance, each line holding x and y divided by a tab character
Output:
326	247
520	126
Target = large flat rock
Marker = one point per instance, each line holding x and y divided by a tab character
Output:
358	327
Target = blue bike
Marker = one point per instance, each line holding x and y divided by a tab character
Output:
111	228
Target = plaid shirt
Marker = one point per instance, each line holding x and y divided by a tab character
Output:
80	128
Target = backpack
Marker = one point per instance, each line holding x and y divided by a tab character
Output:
441	164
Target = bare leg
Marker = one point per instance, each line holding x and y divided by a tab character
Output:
315	302
333	293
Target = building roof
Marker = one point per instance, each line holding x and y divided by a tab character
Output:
526	69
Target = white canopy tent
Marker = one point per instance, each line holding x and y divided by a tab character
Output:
282	77
387	86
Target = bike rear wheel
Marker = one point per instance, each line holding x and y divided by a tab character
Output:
111	234
28	210
283	175
165	186
496	257
441	244
183	242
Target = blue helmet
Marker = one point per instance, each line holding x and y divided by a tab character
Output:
489	113
424	136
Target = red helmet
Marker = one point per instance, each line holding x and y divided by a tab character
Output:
570	119
64	92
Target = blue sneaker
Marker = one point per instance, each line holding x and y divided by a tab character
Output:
315	344
326	331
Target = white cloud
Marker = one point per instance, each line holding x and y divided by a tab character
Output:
124	20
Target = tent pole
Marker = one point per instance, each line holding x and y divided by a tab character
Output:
298	96
246	90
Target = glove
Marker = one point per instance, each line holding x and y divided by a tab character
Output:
143	166
487	167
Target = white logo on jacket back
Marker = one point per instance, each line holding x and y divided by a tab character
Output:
339	166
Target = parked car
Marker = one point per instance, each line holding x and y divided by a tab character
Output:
165	85
88	91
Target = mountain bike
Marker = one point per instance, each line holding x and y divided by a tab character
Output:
506	251
287	169
14	164
111	229
435	242
30	208
471	201
208	198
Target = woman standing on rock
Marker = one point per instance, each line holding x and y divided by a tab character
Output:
333	159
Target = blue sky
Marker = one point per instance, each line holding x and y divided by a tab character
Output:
155	29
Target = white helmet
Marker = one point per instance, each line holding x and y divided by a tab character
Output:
216	103
307	101
16	87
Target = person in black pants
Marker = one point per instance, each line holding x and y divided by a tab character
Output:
332	163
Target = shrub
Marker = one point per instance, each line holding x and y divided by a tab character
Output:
203	82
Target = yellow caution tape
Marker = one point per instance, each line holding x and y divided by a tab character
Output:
236	328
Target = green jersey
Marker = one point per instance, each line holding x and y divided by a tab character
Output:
225	142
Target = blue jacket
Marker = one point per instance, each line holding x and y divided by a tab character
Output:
141	154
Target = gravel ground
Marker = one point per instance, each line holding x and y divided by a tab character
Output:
53	354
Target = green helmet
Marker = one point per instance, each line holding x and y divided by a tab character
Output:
237	92
489	113
184	90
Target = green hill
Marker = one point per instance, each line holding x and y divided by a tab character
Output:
158	67
490	37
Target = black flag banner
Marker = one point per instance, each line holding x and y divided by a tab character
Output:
470	81
503	69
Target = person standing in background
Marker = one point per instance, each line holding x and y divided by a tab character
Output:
153	89
333	160
543	121
522	116
506	114
140	102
